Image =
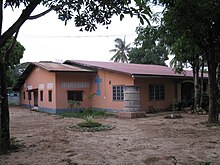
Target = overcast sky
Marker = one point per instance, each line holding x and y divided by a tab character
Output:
48	39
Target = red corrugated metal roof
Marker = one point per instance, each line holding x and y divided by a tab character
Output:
57	67
50	67
134	69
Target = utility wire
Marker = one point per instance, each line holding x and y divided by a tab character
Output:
75	36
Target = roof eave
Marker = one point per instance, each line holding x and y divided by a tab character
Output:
160	76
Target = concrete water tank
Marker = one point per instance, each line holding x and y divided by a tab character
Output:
131	98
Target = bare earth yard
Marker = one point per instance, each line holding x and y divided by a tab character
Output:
151	140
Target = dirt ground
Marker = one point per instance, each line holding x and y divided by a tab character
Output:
151	140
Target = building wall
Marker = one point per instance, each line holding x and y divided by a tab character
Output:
100	83
73	81
41	80
170	92
108	79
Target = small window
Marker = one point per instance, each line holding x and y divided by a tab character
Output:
29	95
24	95
157	92
41	96
118	93
75	95
50	96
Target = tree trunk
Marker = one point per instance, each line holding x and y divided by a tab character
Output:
196	86
202	83
194	95
5	133
213	90
218	78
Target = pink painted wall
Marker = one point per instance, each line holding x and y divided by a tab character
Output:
109	79
36	77
73	77
170	92
105	100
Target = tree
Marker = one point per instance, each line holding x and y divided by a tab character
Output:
187	52
150	48
121	51
14	59
199	22
85	13
10	55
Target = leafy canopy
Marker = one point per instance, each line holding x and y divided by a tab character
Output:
150	48
88	13
15	55
14	59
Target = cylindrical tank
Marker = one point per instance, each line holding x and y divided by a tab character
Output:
131	98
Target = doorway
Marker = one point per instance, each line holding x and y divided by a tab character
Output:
35	97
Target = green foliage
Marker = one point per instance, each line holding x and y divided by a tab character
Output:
91	95
13	59
15	145
121	51
176	106
74	104
88	14
197	23
150	48
90	125
84	113
85	128
89	119
16	54
194	21
205	163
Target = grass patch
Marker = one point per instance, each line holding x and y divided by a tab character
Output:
207	124
15	146
91	129
84	113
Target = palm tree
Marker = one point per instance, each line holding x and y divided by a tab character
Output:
121	50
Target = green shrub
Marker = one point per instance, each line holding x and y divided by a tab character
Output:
74	104
15	145
85	112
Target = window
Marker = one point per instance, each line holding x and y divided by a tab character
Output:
24	95
41	96
75	95
157	92
29	95
118	93
50	96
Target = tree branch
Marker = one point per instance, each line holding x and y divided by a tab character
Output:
40	15
23	17
48	10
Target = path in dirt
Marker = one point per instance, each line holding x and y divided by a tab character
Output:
153	140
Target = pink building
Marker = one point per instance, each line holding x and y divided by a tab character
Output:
118	86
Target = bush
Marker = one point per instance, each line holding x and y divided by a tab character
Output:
85	112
